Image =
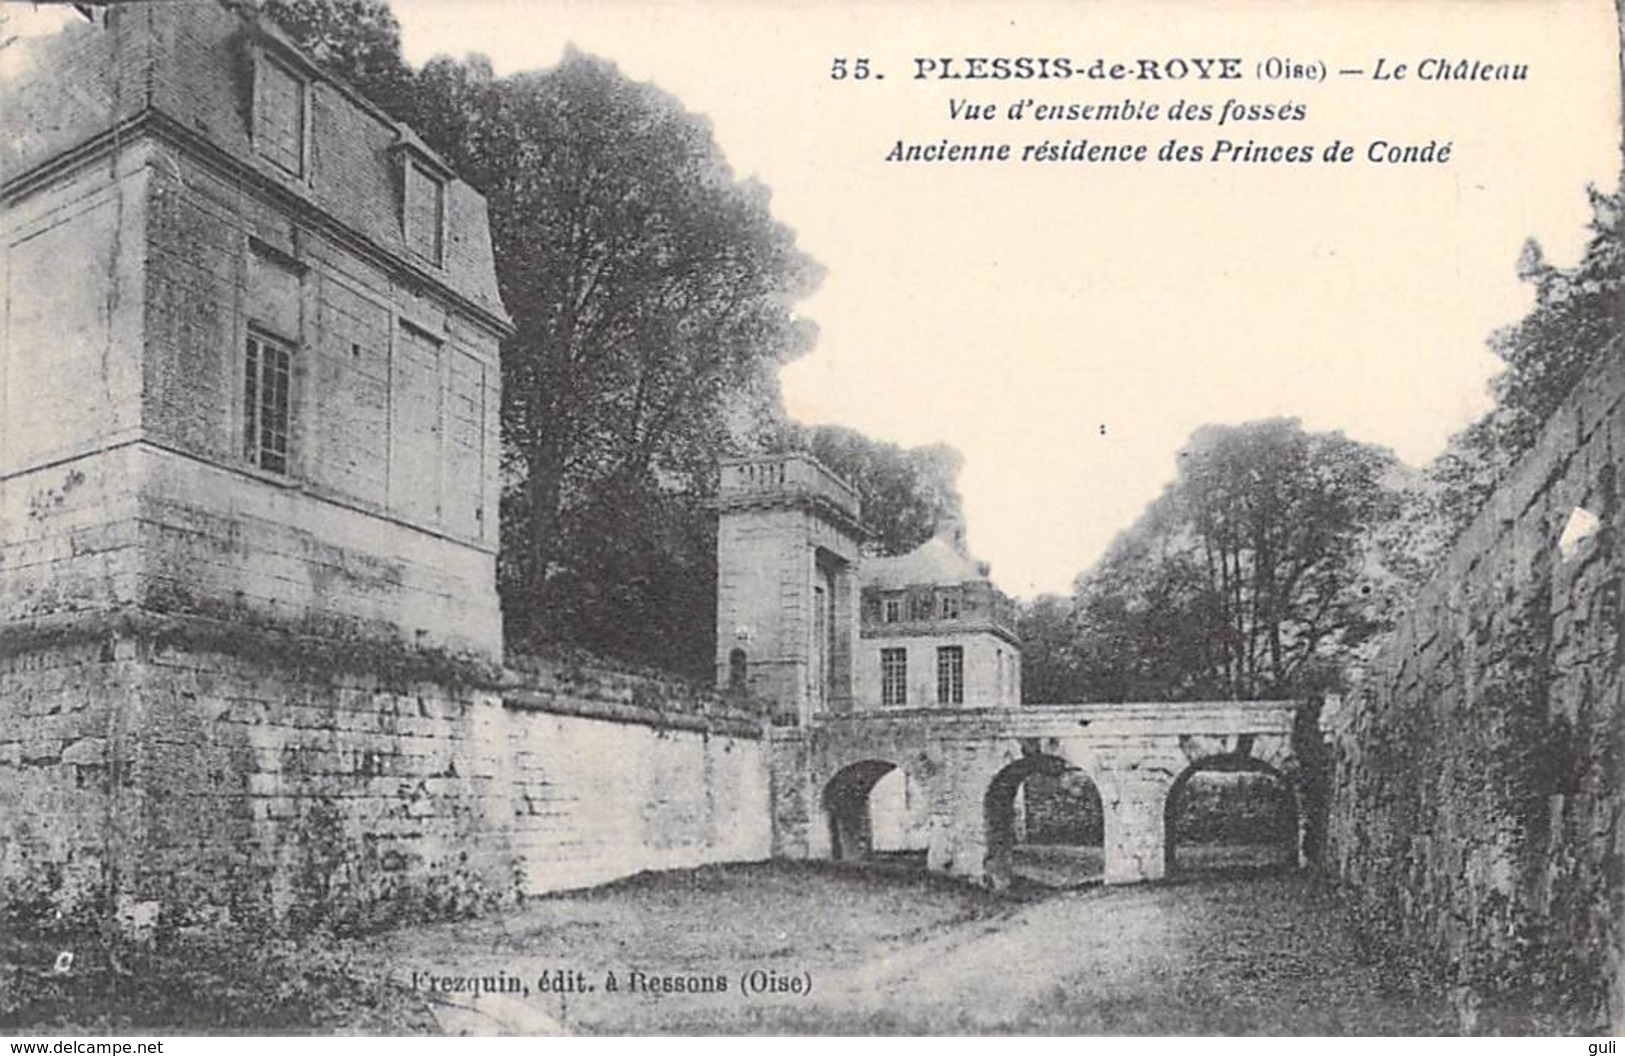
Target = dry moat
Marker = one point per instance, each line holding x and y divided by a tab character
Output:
885	951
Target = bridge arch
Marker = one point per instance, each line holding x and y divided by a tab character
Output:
999	810
847	809
1274	815
829	801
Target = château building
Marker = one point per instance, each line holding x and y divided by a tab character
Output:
806	619
249	369
935	631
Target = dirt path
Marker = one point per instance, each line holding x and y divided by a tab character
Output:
1221	956
1253	956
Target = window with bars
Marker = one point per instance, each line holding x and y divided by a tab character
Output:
893	677
279	116
267	402
950	674
894	610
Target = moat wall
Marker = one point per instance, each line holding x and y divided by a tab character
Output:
1475	812
166	776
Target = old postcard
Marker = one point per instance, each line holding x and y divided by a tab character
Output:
808	517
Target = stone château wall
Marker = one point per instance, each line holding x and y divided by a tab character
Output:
1475	817
180	773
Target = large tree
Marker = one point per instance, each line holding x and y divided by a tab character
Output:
653	295
907	494
1246	578
1051	669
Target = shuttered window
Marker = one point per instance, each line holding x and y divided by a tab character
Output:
279	116
425	211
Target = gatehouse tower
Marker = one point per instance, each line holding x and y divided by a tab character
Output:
788	540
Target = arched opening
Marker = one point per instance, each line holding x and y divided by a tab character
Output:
738	671
1045	824
875	814
1231	814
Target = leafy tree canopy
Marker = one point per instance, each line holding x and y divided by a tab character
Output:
1575	321
1277	555
907	495
1242	580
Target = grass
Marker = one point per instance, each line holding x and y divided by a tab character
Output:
887	952
222	983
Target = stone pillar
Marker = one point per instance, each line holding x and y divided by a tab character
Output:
793	809
843	579
938	852
958	845
1135	836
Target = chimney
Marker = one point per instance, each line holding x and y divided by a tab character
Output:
951	529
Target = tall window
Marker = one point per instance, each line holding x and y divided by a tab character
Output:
893	677
267	393
950	674
894	610
279	116
425	211
919	605
949	605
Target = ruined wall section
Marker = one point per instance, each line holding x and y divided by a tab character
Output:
61	807
1476	809
172	774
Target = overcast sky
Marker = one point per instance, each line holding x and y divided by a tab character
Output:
1067	325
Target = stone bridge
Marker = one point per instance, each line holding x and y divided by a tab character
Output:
969	763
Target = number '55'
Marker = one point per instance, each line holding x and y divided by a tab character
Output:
858	71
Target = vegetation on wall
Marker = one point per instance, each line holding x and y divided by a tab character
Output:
1575	321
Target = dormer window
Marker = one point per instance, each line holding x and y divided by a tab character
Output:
423	216
281	111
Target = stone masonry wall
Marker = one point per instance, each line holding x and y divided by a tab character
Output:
124	473
172	774
1475	817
